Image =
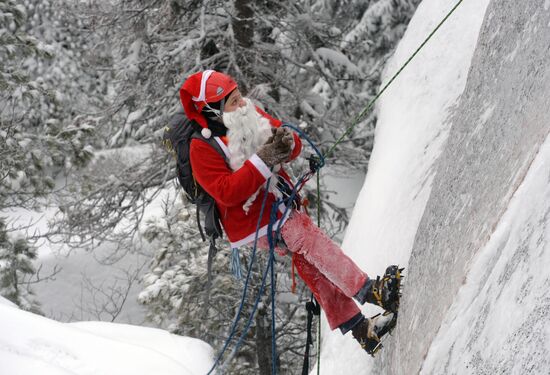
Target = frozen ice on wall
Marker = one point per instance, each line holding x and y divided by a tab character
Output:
499	321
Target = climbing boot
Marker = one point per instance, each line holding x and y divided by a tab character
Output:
369	332
383	291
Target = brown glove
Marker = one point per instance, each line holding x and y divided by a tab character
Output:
277	148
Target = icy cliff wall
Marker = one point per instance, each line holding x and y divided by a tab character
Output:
458	191
497	129
412	129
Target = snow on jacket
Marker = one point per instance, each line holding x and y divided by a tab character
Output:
231	189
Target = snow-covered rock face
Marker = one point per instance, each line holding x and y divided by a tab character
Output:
499	321
457	191
496	132
412	130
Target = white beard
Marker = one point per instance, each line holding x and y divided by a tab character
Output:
247	132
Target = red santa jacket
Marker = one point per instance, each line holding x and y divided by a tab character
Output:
231	189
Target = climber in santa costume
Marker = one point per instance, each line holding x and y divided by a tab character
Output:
256	149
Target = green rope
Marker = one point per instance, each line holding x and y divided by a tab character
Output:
319	319
353	125
371	103
350	128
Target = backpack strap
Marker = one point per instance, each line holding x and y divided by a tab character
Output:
210	209
177	138
211	219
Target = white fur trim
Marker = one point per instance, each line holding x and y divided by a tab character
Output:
263	230
206	133
260	166
223	147
202	95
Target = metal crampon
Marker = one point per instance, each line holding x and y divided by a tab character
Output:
387	289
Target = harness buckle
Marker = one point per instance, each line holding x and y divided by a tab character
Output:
315	163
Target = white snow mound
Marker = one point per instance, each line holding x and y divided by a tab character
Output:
32	344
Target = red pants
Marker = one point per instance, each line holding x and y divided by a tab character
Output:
330	274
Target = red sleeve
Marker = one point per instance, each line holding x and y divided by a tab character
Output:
277	123
297	147
225	186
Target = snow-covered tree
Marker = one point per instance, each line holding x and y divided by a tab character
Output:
310	63
178	295
16	268
314	63
43	127
21	178
179	256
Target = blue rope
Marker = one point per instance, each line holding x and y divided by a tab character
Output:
314	167
245	290
272	243
270	267
273	333
304	136
314	164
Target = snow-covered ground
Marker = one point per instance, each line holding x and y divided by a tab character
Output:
31	344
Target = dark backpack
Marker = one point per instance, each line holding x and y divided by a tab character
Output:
177	138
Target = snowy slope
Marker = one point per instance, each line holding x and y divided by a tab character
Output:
31	344
458	190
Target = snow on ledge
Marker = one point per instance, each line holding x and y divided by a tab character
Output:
32	344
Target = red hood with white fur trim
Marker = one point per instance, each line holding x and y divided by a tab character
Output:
201	88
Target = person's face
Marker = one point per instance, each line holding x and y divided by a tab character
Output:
234	101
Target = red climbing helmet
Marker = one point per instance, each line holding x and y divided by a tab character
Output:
202	88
